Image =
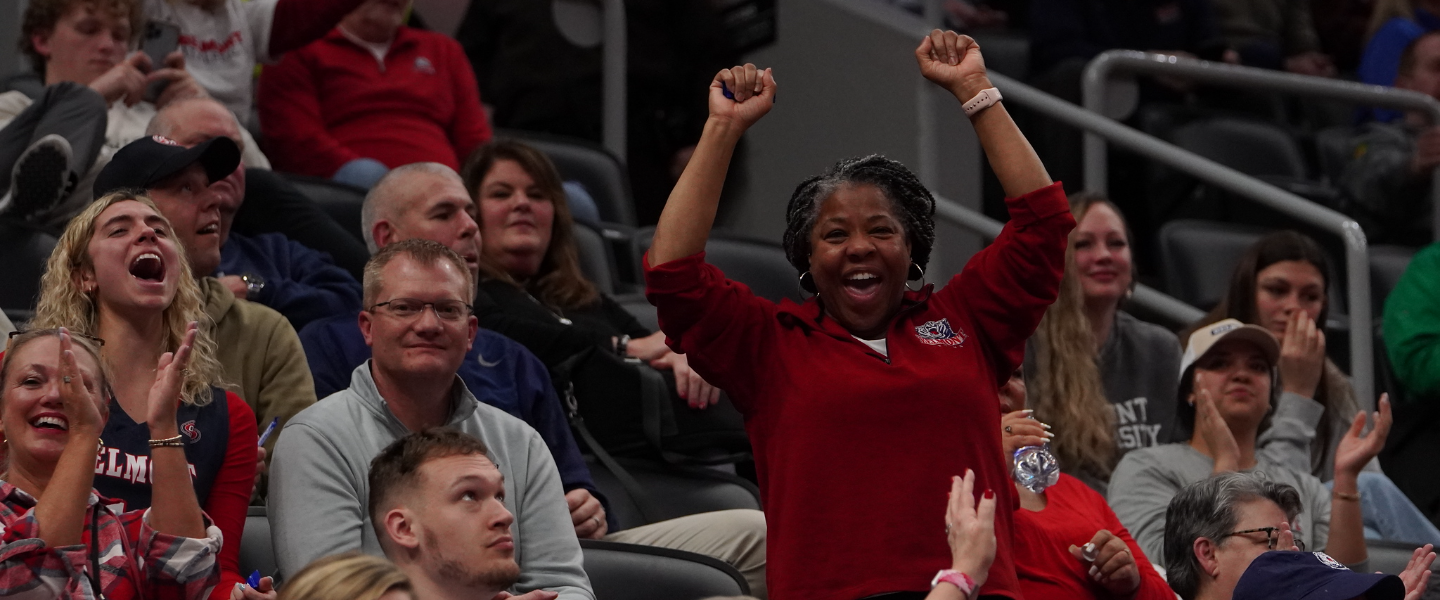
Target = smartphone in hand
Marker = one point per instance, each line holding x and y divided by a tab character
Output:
159	40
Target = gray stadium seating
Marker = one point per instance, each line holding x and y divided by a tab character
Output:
632	572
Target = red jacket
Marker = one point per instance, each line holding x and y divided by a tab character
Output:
330	102
854	450
1073	513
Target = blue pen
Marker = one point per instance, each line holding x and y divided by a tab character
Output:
254	578
269	429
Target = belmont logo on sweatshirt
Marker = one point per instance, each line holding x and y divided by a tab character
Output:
939	333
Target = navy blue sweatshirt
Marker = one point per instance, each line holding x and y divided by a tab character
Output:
300	283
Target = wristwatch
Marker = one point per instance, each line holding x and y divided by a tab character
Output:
955	578
253	284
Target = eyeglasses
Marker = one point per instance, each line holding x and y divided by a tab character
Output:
409	308
1272	537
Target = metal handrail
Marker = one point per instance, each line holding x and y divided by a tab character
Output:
1100	71
1175	311
1356	252
612	124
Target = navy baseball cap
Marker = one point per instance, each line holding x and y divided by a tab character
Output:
1290	575
149	160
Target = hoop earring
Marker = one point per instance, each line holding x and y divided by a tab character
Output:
807	283
916	272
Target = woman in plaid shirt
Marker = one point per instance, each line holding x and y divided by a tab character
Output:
59	539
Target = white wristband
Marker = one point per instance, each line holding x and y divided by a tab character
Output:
982	101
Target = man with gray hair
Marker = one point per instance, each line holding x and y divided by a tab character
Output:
1215	527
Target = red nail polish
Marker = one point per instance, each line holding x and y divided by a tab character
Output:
989	494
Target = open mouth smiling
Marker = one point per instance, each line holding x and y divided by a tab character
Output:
148	267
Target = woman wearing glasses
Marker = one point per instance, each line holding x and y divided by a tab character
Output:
1228	386
60	539
118	274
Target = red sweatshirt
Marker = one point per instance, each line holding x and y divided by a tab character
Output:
1073	513
855	450
331	102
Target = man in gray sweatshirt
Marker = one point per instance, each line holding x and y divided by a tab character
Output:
419	330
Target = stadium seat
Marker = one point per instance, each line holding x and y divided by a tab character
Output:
1249	146
256	551
342	202
602	174
596	257
1198	257
673	491
757	263
632	572
23	251
1387	264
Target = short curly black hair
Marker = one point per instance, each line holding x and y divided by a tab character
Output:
913	205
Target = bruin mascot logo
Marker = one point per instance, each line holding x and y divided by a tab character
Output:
939	333
190	431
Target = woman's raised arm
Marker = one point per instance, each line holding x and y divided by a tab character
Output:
176	511
690	212
60	509
953	62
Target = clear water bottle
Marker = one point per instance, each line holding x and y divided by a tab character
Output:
1036	468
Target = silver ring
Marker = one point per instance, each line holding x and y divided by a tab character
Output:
596	519
947	529
65	379
1089	552
1008	430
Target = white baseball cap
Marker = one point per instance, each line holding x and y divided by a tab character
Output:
1206	337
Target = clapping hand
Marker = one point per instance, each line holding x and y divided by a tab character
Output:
1111	564
169	379
1211	427
753	92
82	412
1417	572
970	529
953	62
1354	451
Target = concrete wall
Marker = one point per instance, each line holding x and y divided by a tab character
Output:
10	13
849	86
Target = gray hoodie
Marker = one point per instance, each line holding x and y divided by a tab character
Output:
320	483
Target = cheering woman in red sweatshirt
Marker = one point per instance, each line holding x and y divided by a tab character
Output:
862	402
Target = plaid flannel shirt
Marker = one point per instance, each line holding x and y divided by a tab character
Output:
136	561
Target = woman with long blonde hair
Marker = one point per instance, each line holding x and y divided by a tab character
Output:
1105	380
350	576
119	275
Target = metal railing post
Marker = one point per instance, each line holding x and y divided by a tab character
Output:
1097	77
613	126
1356	253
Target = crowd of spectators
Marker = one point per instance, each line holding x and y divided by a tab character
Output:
197	297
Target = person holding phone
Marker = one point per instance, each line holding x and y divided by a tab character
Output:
93	103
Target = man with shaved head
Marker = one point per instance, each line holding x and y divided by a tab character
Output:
268	268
